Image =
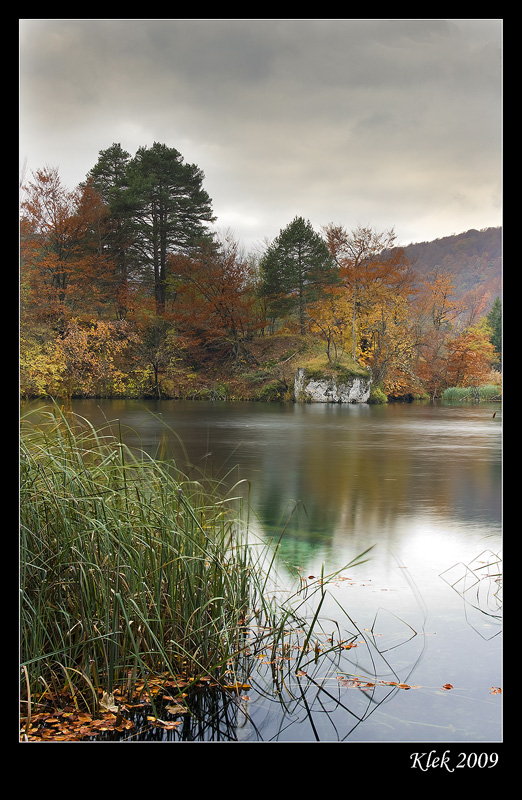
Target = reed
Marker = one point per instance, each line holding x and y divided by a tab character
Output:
460	394
130	571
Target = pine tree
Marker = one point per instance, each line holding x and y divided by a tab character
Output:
159	207
295	269
495	325
171	209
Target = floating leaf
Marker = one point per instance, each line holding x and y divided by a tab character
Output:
177	708
237	686
107	702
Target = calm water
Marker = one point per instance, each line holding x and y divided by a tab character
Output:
421	484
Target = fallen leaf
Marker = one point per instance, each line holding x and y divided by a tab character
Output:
447	686
107	702
237	686
177	708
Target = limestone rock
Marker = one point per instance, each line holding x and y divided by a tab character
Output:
330	390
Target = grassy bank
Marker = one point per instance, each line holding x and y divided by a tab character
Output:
134	579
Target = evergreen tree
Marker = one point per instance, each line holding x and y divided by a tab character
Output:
171	209
295	269
109	177
158	206
495	325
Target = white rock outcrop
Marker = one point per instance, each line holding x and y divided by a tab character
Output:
329	390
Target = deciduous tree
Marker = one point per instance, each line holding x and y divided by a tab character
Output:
94	357
469	356
368	263
65	269
215	303
373	302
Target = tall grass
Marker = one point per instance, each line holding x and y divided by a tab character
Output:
486	393
129	570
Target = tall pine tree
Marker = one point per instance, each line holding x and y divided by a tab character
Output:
295	269
171	209
159	207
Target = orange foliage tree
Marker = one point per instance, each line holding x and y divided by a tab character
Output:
469	356
215	304
452	350
64	269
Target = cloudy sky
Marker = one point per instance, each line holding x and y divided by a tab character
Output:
387	123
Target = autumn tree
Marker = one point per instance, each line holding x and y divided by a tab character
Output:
215	301
42	365
153	351
93	354
453	349
295	270
391	342
469	356
371	306
437	301
65	269
47	243
327	318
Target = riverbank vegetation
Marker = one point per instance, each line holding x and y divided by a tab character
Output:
139	585
489	393
128	291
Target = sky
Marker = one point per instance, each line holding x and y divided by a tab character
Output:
375	122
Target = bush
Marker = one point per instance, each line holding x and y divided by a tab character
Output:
377	396
273	392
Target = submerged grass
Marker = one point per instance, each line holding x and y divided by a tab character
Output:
132	573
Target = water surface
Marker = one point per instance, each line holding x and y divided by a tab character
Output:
418	483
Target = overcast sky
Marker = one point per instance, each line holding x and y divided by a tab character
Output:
387	123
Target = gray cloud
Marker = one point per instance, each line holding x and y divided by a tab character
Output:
385	122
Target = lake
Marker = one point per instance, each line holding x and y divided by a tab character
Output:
420	484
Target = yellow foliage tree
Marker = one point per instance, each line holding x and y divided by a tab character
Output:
370	312
93	353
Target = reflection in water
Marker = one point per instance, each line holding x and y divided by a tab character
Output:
421	484
334	475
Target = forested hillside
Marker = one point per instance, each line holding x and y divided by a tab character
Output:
473	258
127	291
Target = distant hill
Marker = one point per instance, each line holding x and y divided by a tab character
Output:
474	258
